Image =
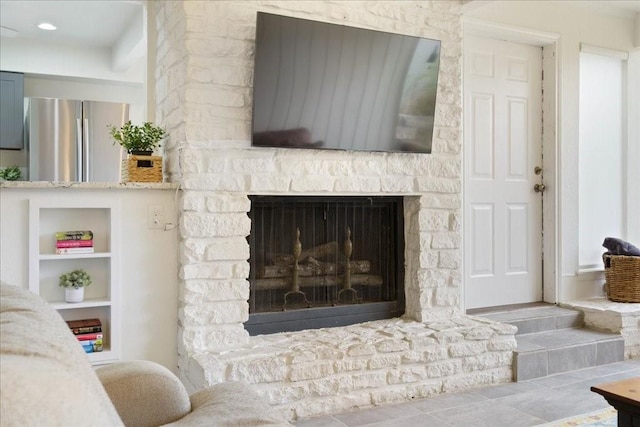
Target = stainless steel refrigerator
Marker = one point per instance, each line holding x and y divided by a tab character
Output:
69	140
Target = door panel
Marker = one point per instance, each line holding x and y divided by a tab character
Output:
102	157
482	118
11	110
517	123
482	255
54	138
503	145
516	245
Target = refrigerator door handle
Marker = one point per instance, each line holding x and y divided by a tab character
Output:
85	153
79	150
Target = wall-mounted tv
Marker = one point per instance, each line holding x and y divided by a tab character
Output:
328	86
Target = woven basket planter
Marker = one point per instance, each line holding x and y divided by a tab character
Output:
142	169
623	277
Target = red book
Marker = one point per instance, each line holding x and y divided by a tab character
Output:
74	243
93	336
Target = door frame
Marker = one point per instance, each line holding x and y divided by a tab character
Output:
549	42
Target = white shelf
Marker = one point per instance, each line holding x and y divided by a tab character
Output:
87	303
102	357
58	257
102	297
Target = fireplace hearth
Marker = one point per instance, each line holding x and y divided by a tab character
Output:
324	261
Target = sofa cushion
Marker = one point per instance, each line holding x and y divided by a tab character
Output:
45	376
230	404
144	393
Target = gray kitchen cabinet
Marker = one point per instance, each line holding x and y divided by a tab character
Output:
11	110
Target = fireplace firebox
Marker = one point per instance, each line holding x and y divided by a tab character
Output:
324	261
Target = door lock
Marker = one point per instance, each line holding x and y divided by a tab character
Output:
539	188
537	170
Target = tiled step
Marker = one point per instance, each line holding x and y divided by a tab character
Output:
539	318
552	352
552	340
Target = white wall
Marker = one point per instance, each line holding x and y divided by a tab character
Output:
47	86
23	55
575	23
148	275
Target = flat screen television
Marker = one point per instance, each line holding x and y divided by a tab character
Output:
328	86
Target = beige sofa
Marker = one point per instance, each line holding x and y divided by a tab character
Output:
47	380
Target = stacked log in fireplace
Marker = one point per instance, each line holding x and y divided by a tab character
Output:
321	266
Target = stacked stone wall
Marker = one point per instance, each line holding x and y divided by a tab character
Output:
204	86
311	373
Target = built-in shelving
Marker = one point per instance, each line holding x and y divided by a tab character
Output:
102	297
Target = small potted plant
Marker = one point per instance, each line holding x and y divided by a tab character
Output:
74	283
10	174
141	140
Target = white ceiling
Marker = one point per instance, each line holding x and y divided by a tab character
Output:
622	8
95	23
615	7
101	23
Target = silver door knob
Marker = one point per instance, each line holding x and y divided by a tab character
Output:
539	188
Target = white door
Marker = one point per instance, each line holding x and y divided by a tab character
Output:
502	148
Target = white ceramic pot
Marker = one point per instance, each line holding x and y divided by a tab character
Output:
73	295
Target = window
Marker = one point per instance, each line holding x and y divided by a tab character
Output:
602	146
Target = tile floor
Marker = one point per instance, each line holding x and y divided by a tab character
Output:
526	403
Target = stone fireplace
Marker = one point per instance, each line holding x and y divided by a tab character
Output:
203	89
324	261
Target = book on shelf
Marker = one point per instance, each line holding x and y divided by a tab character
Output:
89	336
80	323
74	235
69	251
74	243
86	343
85	326
86	330
92	346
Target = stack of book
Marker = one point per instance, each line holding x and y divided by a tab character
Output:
74	242
89	333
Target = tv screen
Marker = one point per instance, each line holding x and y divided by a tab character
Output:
328	86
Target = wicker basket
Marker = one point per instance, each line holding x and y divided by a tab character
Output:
142	169
623	277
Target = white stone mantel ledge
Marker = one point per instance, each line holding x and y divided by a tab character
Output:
90	185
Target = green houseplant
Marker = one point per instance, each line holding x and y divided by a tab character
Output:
75	279
145	138
74	283
11	173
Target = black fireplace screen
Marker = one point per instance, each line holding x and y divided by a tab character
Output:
324	261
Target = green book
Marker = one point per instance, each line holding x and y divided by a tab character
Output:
74	235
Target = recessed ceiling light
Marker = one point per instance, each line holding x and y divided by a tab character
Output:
47	26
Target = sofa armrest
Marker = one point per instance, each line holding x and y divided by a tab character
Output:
144	393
